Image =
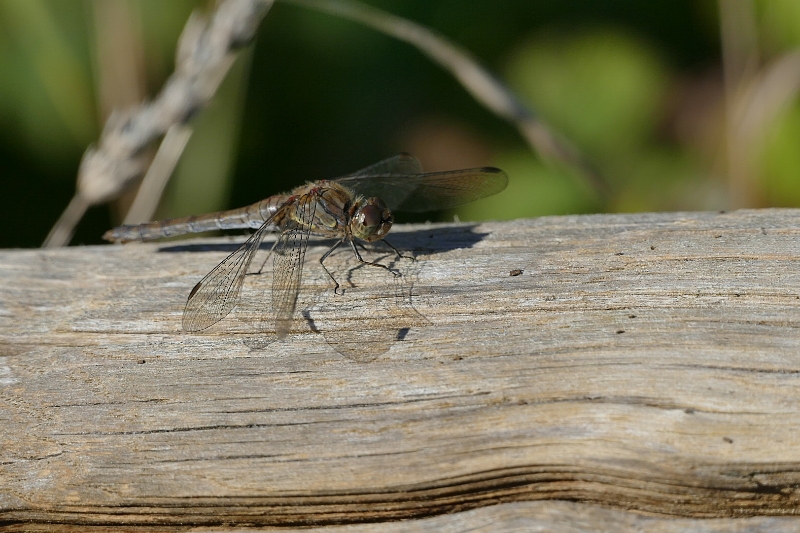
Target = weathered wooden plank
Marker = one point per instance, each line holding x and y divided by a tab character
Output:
516	517
642	362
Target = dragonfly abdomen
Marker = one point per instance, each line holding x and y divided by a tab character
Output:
251	216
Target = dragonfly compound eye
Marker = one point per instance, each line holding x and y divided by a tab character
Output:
372	221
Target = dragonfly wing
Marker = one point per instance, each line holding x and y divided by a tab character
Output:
431	191
288	255
401	164
213	298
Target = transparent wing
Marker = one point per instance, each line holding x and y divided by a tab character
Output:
287	273
431	191
213	298
401	164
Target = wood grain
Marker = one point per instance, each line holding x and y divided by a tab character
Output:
646	363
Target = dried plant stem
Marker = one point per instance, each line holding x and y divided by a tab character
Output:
206	51
62	230
755	98
769	95
739	44
154	182
481	84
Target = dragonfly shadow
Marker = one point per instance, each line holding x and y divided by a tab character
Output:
426	241
373	309
437	240
228	247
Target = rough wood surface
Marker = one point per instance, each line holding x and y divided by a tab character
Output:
646	363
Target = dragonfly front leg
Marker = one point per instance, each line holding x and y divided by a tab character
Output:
399	255
361	259
328	272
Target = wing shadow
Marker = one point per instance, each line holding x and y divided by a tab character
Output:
375	309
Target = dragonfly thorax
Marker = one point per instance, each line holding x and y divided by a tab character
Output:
371	220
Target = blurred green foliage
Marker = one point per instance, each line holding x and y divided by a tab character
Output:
635	86
781	161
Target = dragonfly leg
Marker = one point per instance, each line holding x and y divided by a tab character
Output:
361	259
399	255
396	251
328	272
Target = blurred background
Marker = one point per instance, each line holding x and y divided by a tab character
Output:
681	105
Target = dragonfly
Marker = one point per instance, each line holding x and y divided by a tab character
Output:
357	207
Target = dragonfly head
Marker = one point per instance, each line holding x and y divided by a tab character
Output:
372	220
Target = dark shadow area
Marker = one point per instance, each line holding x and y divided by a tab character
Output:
310	321
421	241
437	240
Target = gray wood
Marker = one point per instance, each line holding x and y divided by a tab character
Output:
639	364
